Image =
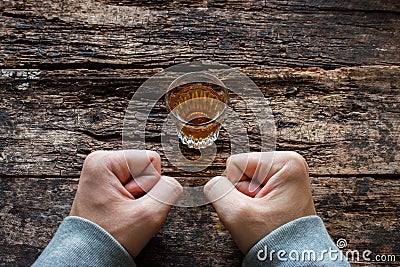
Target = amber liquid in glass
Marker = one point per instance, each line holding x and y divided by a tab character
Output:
198	108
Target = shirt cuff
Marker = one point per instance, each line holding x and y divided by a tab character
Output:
301	242
80	242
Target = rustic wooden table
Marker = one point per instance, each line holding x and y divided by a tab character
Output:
329	69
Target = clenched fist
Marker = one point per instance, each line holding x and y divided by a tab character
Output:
261	192
108	195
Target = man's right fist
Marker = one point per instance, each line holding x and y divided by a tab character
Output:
262	191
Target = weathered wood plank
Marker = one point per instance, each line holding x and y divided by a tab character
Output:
344	121
260	5
364	211
92	34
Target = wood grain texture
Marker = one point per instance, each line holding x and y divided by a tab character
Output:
93	34
330	71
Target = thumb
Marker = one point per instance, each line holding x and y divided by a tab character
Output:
223	195
154	209
165	192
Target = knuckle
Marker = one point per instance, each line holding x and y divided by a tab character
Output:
297	159
94	157
95	162
153	156
232	159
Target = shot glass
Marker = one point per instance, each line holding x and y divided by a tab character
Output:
197	102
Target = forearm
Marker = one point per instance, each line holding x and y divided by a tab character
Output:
301	242
79	242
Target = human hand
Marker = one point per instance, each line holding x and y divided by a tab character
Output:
108	196
252	208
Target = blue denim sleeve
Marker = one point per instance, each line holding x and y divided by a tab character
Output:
80	242
302	242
